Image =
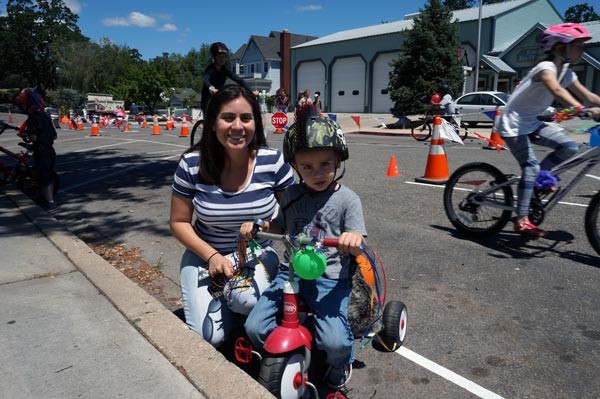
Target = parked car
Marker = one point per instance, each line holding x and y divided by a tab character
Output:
53	112
472	106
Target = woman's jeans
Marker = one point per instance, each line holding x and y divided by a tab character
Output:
328	301
208	305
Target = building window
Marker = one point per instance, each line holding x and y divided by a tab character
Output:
266	66
241	69
341	93
384	91
355	92
251	68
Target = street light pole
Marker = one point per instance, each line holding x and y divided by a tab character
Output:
475	85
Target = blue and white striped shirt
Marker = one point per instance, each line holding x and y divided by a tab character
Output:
219	214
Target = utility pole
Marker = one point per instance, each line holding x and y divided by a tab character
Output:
475	85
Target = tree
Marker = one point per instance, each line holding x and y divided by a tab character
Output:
31	33
581	13
427	57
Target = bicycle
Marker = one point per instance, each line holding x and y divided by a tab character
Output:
479	202
421	129
20	171
286	359
198	125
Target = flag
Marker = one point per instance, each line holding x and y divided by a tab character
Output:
356	119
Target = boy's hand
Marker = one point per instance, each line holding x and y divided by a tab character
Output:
246	230
350	242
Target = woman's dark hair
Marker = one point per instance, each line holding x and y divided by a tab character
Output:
212	154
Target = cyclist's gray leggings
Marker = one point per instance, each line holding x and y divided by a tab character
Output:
521	147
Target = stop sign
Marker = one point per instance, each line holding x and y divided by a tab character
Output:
279	120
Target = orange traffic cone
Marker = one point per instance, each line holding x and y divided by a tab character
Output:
184	129
436	171
392	168
144	122
79	124
155	128
496	142
126	127
10	116
95	129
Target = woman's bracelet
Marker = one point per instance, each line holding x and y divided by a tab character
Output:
210	257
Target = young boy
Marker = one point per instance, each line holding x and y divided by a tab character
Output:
319	207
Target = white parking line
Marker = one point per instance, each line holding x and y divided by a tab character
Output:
451	376
107	145
442	186
112	174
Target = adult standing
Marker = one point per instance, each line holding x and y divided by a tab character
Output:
282	101
216	73
229	177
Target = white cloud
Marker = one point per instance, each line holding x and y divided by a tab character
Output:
73	5
167	28
133	19
311	7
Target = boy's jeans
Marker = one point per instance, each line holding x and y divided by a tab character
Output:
328	300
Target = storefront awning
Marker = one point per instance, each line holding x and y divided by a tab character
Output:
497	64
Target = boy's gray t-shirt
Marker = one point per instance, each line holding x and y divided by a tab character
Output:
323	215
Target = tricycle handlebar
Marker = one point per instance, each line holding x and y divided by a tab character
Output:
302	240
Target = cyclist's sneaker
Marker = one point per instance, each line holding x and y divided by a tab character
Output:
545	182
49	206
339	376
529	229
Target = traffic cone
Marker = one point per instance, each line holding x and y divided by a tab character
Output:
496	142
155	128
144	122
184	129
79	124
10	116
95	129
436	171
126	127
392	168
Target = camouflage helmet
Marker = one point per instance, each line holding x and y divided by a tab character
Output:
312	131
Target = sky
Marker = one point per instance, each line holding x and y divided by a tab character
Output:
154	27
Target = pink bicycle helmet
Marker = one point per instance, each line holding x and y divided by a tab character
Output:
563	33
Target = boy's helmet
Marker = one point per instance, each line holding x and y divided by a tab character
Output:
310	132
28	97
563	33
435	99
217	48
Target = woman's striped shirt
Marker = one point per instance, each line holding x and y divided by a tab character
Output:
219	214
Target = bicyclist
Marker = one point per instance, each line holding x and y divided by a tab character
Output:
42	134
216	73
551	79
318	207
446	102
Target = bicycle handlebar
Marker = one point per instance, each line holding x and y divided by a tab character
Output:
4	126
564	115
302	240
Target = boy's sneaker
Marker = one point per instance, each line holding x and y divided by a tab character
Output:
529	229
48	206
339	376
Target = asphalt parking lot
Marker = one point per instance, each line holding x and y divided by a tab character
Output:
503	317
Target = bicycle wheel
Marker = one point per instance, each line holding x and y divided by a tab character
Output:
197	125
462	200
463	131
592	222
422	131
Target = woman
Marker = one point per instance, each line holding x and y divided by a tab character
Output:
282	101
551	79
228	178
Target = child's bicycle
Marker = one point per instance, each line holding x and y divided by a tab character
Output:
284	369
478	198
421	129
19	169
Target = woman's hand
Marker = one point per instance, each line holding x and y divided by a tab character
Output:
213	90
218	264
595	111
350	242
246	230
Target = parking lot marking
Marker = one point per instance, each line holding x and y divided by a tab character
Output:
442	186
451	376
107	145
62	190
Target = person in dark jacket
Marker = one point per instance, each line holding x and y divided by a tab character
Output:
42	134
216	73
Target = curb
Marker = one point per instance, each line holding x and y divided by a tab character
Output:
196	359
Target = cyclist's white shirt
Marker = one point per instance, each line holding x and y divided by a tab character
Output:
529	100
219	213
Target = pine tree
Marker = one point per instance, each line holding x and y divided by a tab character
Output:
428	57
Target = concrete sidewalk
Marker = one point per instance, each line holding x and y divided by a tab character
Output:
71	325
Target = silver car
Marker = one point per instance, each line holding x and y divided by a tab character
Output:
480	106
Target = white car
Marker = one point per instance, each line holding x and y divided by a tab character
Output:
479	106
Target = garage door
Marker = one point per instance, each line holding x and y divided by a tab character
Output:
348	85
381	69
311	76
